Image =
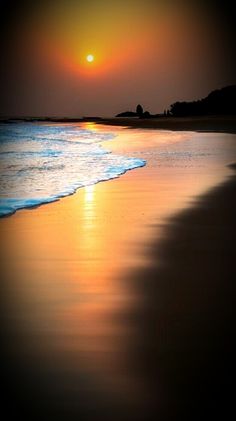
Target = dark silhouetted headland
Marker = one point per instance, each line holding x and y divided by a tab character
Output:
219	102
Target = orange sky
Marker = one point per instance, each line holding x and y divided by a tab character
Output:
152	52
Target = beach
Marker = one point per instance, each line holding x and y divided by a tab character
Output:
117	300
209	123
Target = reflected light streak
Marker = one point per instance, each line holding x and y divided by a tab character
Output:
89	194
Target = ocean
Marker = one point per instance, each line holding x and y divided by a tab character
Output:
41	163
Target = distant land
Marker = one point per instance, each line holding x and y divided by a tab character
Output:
218	102
215	113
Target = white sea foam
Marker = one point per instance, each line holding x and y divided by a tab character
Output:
41	163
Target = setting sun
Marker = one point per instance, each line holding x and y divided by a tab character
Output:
90	58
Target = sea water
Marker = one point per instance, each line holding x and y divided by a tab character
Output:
41	163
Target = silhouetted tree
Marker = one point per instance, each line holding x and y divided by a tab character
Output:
146	114
139	110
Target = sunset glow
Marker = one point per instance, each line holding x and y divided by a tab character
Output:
154	55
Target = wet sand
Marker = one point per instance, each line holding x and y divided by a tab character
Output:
116	301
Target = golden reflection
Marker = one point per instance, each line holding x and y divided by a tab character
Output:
90	126
89	193
89	216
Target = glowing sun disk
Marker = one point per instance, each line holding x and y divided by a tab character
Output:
90	58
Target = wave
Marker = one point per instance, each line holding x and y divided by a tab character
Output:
42	163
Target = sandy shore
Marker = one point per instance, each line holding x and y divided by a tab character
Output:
218	123
116	301
202	124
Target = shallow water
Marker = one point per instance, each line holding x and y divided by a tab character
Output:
40	163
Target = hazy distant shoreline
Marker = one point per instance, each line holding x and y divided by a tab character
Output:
202	123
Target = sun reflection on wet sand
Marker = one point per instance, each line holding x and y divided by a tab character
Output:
89	193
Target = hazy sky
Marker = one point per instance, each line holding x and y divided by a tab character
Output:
145	51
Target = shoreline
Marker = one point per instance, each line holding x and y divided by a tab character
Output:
220	123
226	126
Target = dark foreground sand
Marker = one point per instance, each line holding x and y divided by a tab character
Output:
186	330
201	123
182	349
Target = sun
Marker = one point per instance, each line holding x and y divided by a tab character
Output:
90	58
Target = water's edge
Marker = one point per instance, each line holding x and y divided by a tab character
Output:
41	164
